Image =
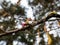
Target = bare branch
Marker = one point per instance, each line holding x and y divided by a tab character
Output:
31	25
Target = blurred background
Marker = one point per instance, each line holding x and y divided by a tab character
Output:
17	14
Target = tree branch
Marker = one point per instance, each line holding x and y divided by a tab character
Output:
32	25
